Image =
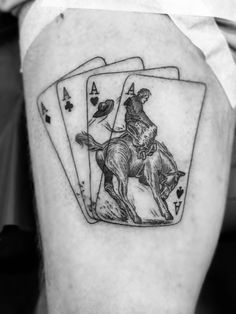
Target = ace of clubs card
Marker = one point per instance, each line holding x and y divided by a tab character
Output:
72	103
174	107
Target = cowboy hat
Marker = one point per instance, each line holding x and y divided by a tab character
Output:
104	108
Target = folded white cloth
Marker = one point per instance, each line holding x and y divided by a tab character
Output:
217	8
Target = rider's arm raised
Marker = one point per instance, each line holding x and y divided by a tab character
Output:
145	244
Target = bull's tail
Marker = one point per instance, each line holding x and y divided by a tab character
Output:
86	139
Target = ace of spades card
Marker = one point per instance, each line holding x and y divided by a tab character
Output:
50	114
101	115
72	103
139	185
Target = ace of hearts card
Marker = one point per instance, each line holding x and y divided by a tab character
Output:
102	114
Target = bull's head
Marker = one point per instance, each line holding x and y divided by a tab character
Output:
170	182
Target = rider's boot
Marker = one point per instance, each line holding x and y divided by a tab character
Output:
140	153
143	155
152	149
168	216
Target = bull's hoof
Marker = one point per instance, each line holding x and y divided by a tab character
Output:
137	220
124	216
168	216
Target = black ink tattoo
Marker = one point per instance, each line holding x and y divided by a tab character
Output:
132	157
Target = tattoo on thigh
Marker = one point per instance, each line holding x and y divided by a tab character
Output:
125	136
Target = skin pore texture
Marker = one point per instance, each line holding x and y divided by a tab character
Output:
114	268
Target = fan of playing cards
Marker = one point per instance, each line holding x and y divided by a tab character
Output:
124	136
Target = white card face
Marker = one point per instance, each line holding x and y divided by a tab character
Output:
72	102
103	112
96	62
50	113
155	174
